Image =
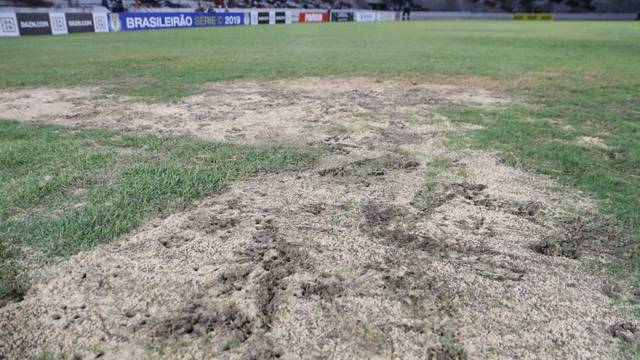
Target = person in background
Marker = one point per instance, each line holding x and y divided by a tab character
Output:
406	10
118	6
105	3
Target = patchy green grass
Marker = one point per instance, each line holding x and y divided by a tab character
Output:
66	190
569	79
547	135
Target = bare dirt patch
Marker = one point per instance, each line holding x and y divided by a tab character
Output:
360	257
591	141
244	111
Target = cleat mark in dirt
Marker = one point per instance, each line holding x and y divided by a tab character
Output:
371	167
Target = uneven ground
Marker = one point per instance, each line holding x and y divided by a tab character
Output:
390	246
412	190
255	111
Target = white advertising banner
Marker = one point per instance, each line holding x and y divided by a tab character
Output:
101	22
58	23
8	24
385	16
365	16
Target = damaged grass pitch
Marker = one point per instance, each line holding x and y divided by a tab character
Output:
544	137
64	190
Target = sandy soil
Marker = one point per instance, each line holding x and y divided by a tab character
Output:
241	111
364	256
592	141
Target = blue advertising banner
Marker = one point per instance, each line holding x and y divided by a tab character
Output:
129	21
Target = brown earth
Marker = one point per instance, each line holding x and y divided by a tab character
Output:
367	255
244	111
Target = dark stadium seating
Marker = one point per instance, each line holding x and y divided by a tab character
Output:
508	6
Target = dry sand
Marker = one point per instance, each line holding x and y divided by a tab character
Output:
364	256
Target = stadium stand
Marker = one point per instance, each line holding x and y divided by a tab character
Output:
51	5
506	6
142	5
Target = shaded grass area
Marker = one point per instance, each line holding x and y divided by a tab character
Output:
64	190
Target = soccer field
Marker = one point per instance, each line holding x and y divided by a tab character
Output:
170	63
437	188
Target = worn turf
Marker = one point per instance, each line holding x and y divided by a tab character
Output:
582	76
64	190
573	111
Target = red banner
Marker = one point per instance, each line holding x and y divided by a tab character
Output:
313	16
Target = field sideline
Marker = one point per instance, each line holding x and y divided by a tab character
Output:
573	114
